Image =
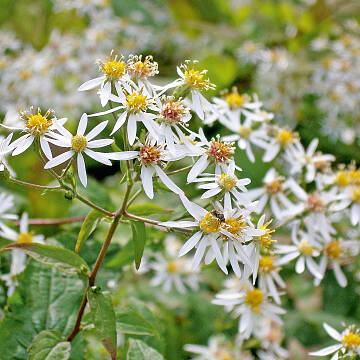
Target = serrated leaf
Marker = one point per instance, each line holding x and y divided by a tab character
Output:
45	299
49	345
147	209
62	259
103	315
131	322
138	350
88	226
139	238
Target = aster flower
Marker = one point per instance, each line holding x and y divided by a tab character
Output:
216	151
349	342
6	203
305	250
299	158
78	144
114	70
226	182
252	305
150	157
135	102
36	126
332	253
18	257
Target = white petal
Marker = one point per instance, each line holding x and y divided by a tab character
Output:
131	129
194	210
81	169
340	277
300	265
91	84
119	122
96	130
24	145
82	125
147	180
167	181
326	351
123	155
100	157
199	253
45	147
332	332
218	256
190	244
94	144
57	160
198	168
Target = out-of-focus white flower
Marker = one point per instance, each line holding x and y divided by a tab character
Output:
18	257
77	144
5	150
6	203
349	342
251	304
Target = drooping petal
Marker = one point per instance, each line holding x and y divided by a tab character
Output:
81	169
147	180
119	122
57	160
190	244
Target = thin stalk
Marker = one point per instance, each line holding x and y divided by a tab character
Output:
54	221
46	187
94	206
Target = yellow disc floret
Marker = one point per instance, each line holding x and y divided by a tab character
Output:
78	142
274	187
142	68
306	248
254	298
245	131
227	181
285	137
196	78
351	340
150	154
210	223
266	264
136	102
234	226
342	178
35	122
235	100
265	240
113	67
355	196
333	249
25	238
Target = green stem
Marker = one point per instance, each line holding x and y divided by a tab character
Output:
35	185
94	206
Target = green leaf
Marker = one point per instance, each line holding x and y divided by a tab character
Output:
62	259
139	238
103	314
45	299
131	322
138	350
89	225
147	209
5	242
124	257
49	345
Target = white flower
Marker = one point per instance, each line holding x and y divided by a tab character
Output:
6	203
332	253
36	126
227	182
18	257
252	305
298	158
78	144
135	103
304	249
349	342
216	151
150	157
114	70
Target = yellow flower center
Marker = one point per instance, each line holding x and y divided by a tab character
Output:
220	152
351	340
265	240
136	102
266	264
37	123
141	69
227	181
245	131
150	154
355	177
274	187
285	137
210	223
113	68
334	96
172	267
224	355
78	142
25	238
235	100
254	298
25	74
233	226
333	249
356	194
306	248
195	78
342	178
